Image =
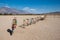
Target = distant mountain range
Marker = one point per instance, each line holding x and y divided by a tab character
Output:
53	13
6	10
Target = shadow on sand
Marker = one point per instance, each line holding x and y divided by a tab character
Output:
10	31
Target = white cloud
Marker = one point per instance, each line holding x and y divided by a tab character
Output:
31	10
4	5
26	8
7	6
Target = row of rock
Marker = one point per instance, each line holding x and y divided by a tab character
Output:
31	21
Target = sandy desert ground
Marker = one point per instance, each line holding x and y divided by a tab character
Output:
48	29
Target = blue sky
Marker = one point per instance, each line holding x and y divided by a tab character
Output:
33	6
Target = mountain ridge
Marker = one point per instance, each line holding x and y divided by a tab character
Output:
7	10
12	11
